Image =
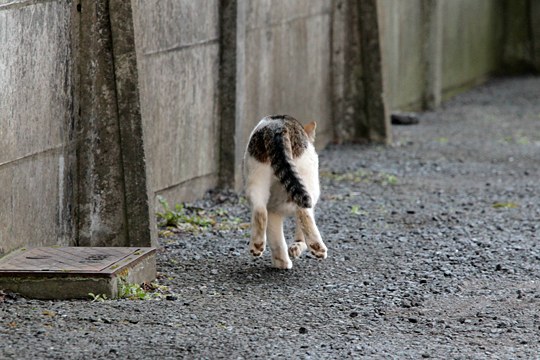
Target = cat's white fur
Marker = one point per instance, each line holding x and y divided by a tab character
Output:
266	194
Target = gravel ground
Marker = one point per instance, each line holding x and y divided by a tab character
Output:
433	253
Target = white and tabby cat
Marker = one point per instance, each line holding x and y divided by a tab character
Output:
281	172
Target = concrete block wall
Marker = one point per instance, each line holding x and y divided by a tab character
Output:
434	48
178	52
402	45
472	34
521	35
37	142
283	66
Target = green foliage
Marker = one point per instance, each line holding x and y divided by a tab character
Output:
355	209
389	179
179	215
133	292
363	176
517	138
193	219
505	205
145	291
98	297
442	140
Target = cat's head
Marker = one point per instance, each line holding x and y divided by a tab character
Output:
310	130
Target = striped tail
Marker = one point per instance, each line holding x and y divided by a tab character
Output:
281	160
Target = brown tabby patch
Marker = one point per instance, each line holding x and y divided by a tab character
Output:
259	145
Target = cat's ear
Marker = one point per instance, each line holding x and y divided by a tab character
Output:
310	130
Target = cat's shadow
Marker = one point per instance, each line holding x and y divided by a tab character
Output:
261	271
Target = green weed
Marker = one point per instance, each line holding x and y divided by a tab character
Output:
442	140
505	205
518	138
145	291
355	209
98	297
179	216
362	176
193	219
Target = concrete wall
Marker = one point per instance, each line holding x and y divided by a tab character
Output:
402	46
283	53
454	44
112	199
521	35
178	60
37	146
471	42
284	65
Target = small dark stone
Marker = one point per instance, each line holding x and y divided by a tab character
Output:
302	330
413	320
404	119
498	267
353	314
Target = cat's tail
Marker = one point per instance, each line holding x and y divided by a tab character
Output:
281	160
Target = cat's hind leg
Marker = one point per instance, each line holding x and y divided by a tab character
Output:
259	218
258	192
311	232
298	247
276	241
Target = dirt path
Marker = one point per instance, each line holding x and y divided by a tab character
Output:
433	253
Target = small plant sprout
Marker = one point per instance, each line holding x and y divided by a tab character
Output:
189	218
505	205
355	210
97	297
145	291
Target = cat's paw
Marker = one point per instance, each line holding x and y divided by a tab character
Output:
318	250
280	263
296	249
256	249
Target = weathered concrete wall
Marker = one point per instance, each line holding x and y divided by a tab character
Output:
347	72
112	193
403	40
471	42
71	167
522	35
284	65
37	143
178	61
422	48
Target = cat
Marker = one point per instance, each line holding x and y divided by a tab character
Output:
281	175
